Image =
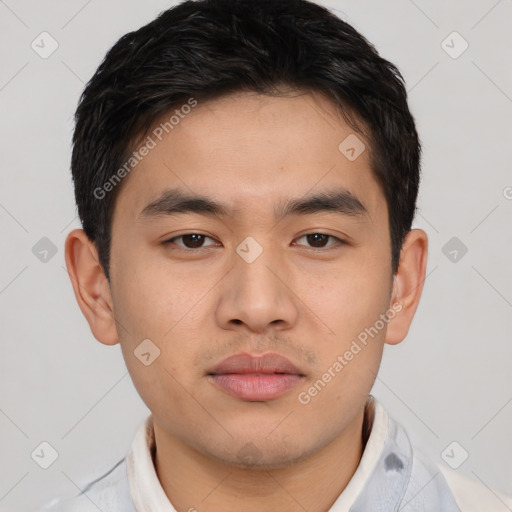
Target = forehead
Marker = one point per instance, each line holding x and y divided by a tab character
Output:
251	151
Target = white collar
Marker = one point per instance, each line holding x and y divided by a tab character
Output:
145	488
372	451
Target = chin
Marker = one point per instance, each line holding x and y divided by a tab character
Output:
262	454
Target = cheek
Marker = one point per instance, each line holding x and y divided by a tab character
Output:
351	306
152	298
353	299
163	372
152	304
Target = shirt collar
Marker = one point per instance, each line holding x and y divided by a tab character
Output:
145	488
376	419
148	494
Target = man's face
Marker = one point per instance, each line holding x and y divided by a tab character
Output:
252	283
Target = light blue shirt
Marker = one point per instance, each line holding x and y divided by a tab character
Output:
391	477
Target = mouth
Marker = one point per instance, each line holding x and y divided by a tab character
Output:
256	378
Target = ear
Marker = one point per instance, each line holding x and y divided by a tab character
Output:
91	287
407	285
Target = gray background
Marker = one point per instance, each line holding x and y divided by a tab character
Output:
448	381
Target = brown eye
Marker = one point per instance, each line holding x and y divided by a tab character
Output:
189	241
319	240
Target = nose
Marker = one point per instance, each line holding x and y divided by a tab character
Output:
258	295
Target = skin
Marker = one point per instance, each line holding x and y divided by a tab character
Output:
251	152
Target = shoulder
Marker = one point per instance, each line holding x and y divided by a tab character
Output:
429	479
108	492
474	496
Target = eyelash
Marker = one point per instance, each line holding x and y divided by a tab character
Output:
170	241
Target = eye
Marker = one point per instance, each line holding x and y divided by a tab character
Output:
319	240
190	241
194	241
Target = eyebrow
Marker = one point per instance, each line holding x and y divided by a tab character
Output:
177	202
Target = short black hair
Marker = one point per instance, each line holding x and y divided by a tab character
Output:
205	49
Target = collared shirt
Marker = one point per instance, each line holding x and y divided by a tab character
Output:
391	476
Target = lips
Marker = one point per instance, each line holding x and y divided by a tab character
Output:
256	378
266	364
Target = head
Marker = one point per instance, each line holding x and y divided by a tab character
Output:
246	175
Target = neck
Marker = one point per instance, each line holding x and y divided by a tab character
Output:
193	481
